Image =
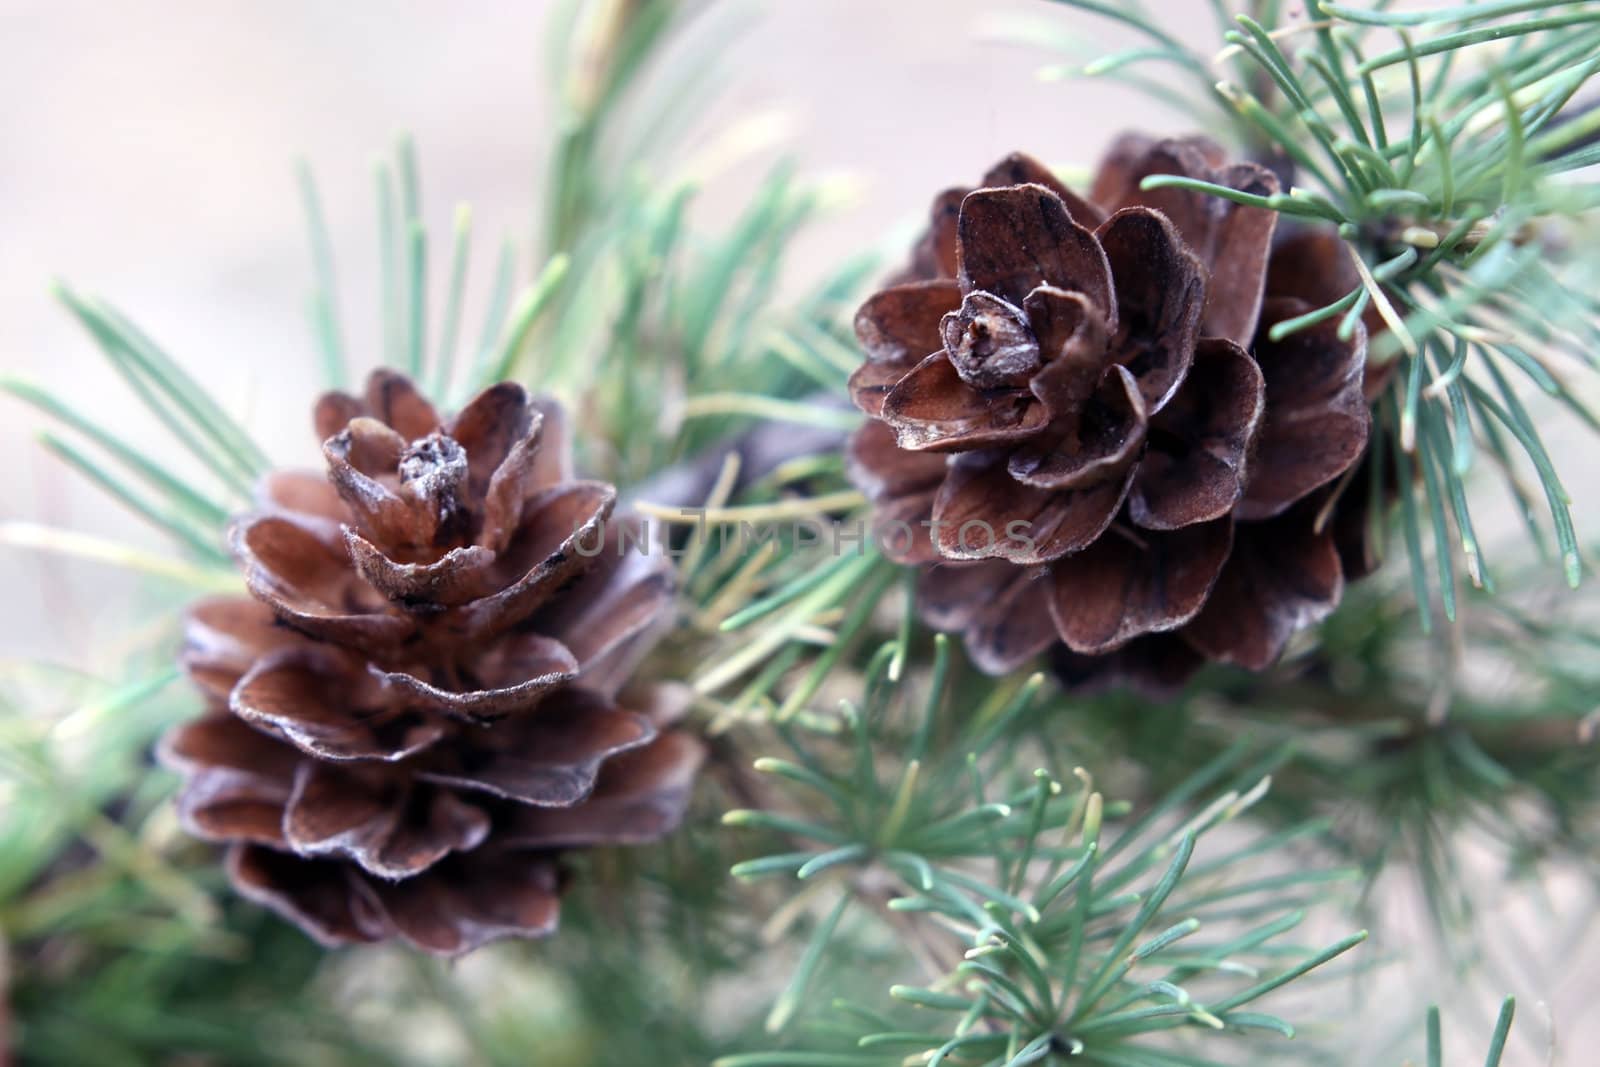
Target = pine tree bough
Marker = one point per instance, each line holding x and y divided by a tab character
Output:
418	710
1078	409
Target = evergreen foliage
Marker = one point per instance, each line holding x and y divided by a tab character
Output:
893	859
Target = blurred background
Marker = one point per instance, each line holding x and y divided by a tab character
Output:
148	155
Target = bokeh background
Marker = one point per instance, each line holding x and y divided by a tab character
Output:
146	154
147	151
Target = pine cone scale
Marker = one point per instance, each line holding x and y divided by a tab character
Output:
1194	470
234	807
904	323
496	423
1097	444
1021	169
1239	255
385	825
982	513
1013	240
1283	576
935	254
933	409
459	576
1013	627
527	667
546	760
1072	334
1233	241
1160	297
1317	417
1131	583
302	577
634	800
474	900
325	704
321	897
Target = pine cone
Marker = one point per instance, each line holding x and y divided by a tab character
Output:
415	712
1104	452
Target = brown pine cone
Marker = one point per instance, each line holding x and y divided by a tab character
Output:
1078	413
416	711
